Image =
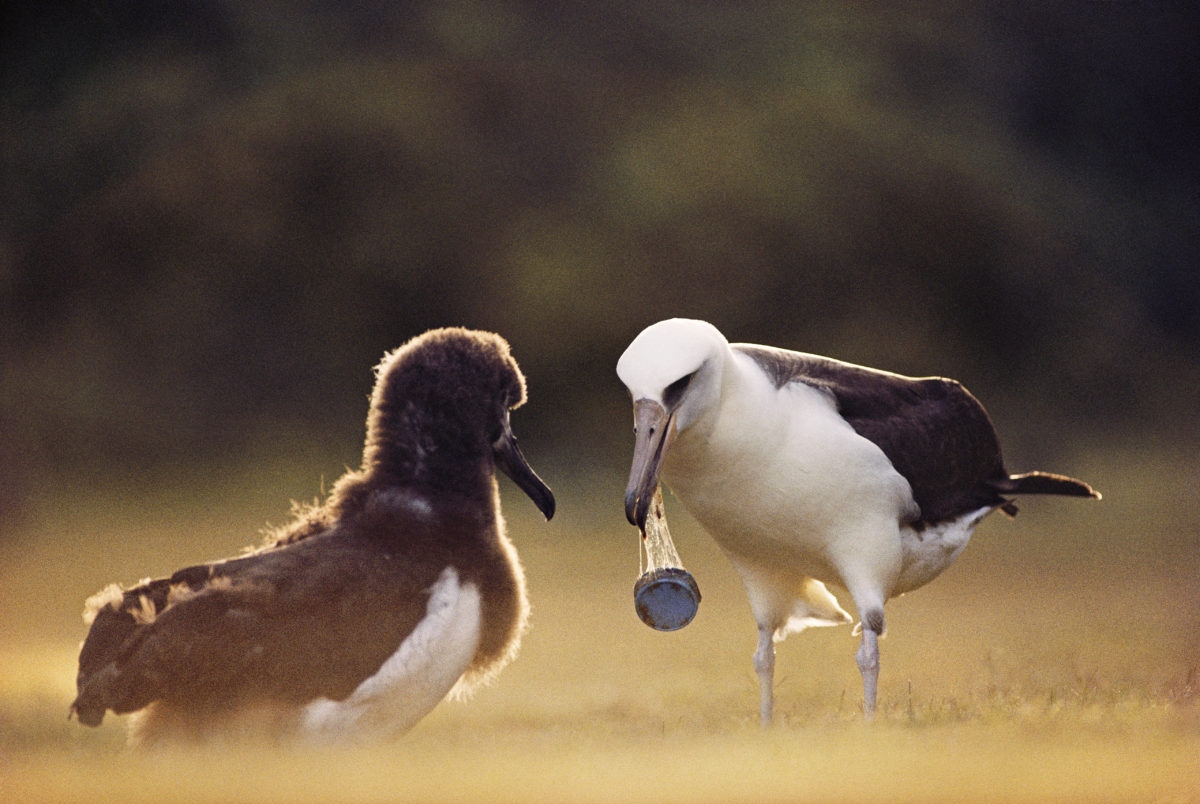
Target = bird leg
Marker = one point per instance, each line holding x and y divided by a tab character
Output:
764	665
868	664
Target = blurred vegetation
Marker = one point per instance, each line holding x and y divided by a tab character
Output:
217	215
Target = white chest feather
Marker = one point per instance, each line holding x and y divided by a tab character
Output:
781	477
417	676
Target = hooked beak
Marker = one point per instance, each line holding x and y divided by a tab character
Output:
654	430
510	461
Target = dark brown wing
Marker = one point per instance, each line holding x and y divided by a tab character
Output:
311	619
935	433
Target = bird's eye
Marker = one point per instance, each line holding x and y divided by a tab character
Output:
674	393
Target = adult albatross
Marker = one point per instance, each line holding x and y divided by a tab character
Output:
363	613
807	471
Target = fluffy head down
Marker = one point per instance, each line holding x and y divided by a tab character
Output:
473	358
447	391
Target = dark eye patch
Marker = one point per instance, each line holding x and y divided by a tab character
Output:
675	391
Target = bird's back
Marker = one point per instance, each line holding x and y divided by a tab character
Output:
933	431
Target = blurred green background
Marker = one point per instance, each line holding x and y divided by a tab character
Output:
217	215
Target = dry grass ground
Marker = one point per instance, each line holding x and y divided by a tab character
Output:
1059	660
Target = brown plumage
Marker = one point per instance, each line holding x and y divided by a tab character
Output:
287	634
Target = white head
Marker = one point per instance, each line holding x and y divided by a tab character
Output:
673	371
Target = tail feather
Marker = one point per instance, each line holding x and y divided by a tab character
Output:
1045	483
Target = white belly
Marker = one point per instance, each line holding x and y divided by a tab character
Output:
417	676
928	552
788	483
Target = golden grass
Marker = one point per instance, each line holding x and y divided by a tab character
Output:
1057	661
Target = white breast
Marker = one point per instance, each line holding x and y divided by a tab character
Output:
791	493
781	477
417	676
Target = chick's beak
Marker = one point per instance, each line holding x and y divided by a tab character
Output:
512	462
